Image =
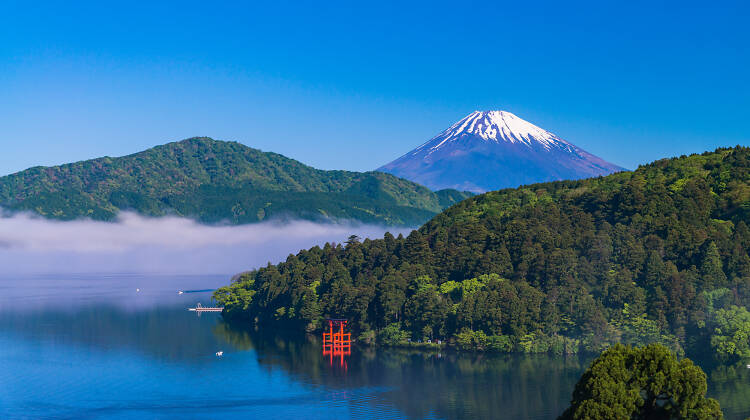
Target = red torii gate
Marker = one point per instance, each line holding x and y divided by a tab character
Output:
337	343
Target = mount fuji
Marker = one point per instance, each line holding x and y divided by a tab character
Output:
490	150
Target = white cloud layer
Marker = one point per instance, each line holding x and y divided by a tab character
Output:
137	244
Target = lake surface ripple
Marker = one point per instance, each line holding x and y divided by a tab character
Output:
124	346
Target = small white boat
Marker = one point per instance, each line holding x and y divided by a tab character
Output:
219	353
180	292
137	290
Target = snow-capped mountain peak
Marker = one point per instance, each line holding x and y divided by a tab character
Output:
488	150
497	126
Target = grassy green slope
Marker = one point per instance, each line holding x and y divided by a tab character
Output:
216	180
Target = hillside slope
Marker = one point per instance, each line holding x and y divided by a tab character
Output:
217	181
651	255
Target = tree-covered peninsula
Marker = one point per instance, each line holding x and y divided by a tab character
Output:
659	254
217	181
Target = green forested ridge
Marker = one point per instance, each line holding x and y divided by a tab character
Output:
655	255
218	181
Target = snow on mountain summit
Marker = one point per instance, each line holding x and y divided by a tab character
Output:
497	126
488	150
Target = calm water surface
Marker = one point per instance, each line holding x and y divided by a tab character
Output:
93	347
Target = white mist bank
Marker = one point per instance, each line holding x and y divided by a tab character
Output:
136	244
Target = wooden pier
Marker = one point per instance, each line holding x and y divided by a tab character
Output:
201	308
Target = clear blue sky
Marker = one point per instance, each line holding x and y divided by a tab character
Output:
354	85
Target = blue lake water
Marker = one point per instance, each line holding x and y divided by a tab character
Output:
93	347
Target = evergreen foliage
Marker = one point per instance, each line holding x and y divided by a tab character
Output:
641	383
216	181
647	256
731	337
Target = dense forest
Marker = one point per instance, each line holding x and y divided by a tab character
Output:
659	254
218	181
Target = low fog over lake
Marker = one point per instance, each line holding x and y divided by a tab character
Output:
33	245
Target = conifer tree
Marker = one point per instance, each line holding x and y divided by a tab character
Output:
641	383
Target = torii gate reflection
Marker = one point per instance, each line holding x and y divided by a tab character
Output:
337	343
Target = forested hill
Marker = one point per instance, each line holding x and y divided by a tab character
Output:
218	181
658	254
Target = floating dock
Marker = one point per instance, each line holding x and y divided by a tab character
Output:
201	308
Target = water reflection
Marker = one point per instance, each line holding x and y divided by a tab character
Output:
731	386
94	347
165	334
451	385
422	384
337	344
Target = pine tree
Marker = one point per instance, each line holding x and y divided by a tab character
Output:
712	271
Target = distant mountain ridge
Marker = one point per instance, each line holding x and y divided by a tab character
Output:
216	181
490	150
